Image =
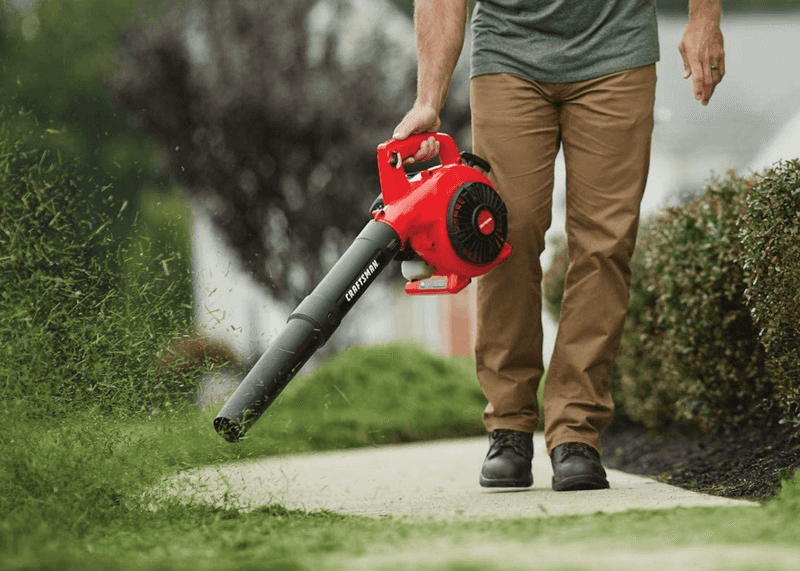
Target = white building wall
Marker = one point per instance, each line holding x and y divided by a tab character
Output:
785	146
229	305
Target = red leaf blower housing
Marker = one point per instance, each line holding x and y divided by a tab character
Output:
447	222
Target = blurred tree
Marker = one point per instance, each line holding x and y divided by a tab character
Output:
54	57
270	113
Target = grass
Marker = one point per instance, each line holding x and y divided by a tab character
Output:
65	478
273	538
71	488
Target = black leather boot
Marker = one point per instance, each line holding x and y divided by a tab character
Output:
508	462
576	466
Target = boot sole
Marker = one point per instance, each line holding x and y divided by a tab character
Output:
575	483
526	482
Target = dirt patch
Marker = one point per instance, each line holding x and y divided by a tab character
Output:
749	463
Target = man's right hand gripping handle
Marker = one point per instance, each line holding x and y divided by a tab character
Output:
439	29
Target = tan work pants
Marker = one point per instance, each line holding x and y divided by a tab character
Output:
605	127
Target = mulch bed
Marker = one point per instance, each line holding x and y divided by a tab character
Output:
749	463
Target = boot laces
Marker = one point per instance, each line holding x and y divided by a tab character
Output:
577	449
502	438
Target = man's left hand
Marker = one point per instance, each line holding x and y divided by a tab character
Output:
703	56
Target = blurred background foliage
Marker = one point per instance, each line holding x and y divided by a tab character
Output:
303	137
56	58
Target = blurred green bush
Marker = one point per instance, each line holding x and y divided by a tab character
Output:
398	392
83	312
57	58
711	338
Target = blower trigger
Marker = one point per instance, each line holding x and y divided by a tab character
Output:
377	204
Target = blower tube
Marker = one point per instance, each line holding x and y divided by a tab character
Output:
308	328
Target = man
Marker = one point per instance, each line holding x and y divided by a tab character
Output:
547	74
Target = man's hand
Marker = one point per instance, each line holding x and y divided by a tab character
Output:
421	119
439	32
702	49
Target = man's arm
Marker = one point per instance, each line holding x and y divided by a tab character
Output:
702	48
439	28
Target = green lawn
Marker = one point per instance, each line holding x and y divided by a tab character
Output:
71	490
765	537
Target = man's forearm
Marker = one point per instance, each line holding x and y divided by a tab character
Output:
439	26
706	9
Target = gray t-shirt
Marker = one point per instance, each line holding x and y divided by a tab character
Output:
560	41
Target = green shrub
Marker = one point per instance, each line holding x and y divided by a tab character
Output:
83	311
689	351
770	236
636	367
385	393
712	335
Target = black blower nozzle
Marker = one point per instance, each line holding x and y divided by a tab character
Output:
308	328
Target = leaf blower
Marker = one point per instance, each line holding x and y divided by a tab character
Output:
446	224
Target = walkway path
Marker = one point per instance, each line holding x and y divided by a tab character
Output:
433	479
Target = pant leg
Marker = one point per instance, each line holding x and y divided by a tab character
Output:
606	127
515	128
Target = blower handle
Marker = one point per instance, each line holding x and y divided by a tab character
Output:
392	153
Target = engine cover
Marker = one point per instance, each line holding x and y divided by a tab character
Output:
449	215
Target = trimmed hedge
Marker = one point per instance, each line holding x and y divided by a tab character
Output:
689	352
711	337
769	230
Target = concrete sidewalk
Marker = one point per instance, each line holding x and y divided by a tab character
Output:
433	479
